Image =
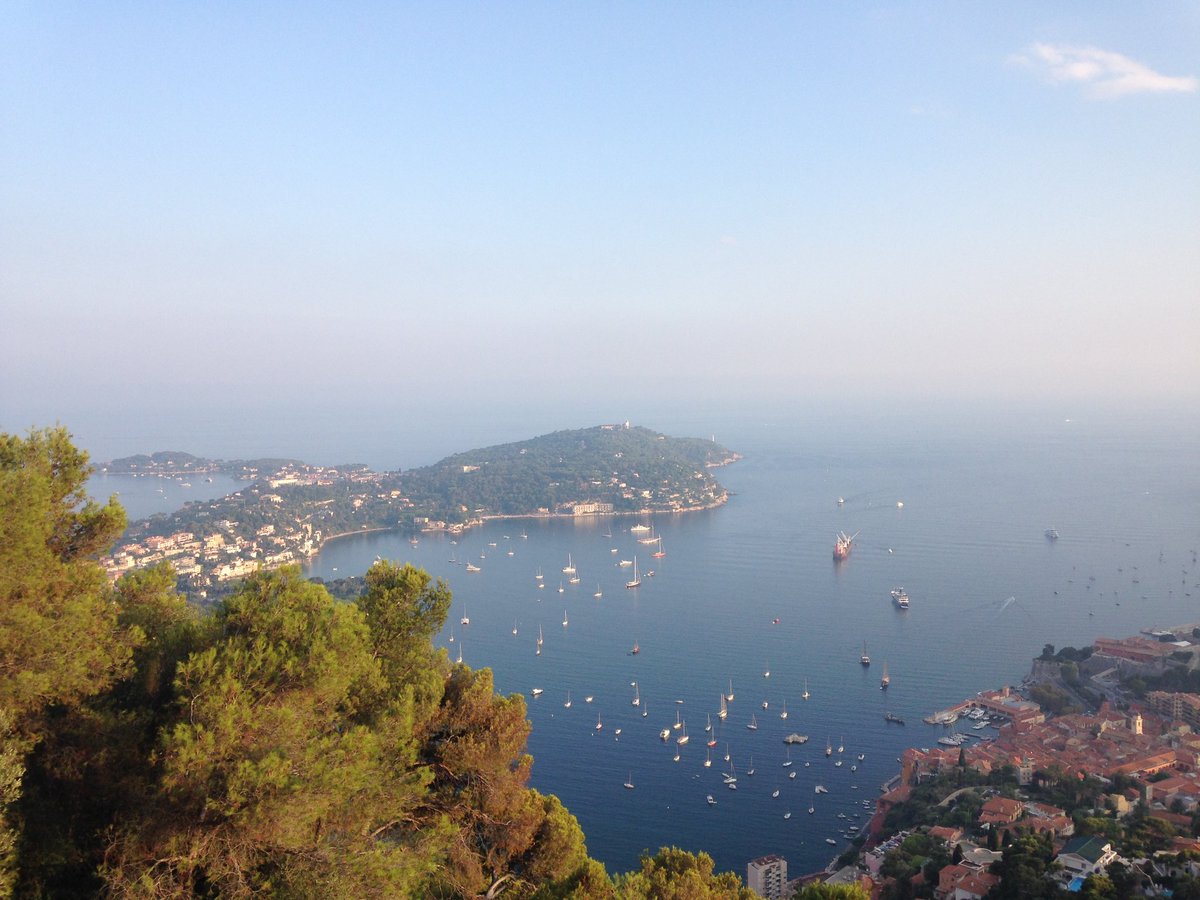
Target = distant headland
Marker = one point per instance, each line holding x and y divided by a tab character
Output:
289	509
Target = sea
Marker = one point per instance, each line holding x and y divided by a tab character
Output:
748	604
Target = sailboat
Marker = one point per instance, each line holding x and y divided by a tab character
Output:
465	620
574	579
564	618
712	740
886	679
539	640
569	568
599	593
788	762
514	627
629	782
753	726
750	771
726	753
829	748
637	697
645	711
806	694
538	576
864	659
598	725
678	722
783	715
708	722
683	738
723	711
708	758
560	587
660	552
452	634
729	696
636	581
767	671
567	705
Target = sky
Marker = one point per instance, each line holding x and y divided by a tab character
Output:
551	214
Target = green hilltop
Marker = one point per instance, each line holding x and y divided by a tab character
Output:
631	468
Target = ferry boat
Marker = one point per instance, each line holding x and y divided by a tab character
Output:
900	597
842	544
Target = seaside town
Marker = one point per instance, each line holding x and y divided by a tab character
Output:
1094	790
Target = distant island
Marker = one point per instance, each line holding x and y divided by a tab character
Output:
289	509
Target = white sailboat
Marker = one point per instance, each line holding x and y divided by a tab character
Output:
636	580
567	705
708	722
806	694
637	697
538	576
599	593
569	568
540	639
753	726
708	758
724	710
783	715
629	782
729	696
564	618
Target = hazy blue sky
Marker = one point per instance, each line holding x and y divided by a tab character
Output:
564	207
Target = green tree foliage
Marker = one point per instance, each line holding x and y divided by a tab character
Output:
272	777
1024	869
674	874
59	638
832	892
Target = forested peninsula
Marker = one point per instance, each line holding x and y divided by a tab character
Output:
277	742
289	509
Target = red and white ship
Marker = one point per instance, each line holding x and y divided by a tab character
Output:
841	547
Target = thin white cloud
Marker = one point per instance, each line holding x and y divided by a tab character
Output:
1103	74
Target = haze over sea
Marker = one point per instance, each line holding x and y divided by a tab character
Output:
978	493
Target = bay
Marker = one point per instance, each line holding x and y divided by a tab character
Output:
988	590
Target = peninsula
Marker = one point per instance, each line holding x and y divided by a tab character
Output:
289	510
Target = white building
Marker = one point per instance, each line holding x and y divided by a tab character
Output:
767	876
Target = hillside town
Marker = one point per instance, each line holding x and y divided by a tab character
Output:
1099	798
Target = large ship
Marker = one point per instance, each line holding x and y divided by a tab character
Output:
900	597
841	547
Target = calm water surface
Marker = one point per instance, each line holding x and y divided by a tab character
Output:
988	590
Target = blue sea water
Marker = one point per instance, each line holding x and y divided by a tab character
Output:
988	590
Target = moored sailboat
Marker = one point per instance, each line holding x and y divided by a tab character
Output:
636	580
